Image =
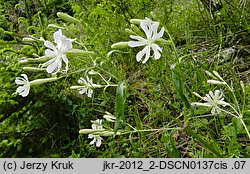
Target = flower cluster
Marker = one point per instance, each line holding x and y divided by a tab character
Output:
55	54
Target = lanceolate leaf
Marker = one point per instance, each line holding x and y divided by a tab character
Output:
120	105
179	85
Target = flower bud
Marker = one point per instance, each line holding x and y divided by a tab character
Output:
210	74
135	21
109	117
91	131
120	45
136	30
77	52
216	82
67	18
33	69
130	32
55	26
42	81
217	75
28	39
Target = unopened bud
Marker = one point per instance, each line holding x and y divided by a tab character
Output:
67	18
120	45
91	131
217	75
33	69
28	39
55	26
135	21
77	52
136	30
216	82
130	32
42	81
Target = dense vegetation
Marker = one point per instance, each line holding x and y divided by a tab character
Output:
152	106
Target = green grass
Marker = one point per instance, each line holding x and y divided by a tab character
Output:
151	101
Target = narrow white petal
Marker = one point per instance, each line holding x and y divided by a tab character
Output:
83	91
98	142
25	77
57	36
139	38
66	45
155	48
48	44
50	53
141	54
26	91
200	104
51	68
159	35
136	43
90	92
146	27
92	142
155	26
66	61
147	54
90	136
19	81
20	89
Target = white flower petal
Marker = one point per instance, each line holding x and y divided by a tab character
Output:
92	142
83	91
200	104
50	53
25	77
146	27
52	67
98	142
90	136
147	54
139	38
26	91
142	53
155	48
155	26
159	35
19	81
20	89
49	45
58	36
66	61
136	43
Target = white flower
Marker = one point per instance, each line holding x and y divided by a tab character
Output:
87	88
24	87
151	30
57	52
212	100
96	138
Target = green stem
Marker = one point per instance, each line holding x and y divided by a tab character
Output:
245	127
150	130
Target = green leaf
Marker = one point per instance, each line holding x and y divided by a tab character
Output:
179	85
120	105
